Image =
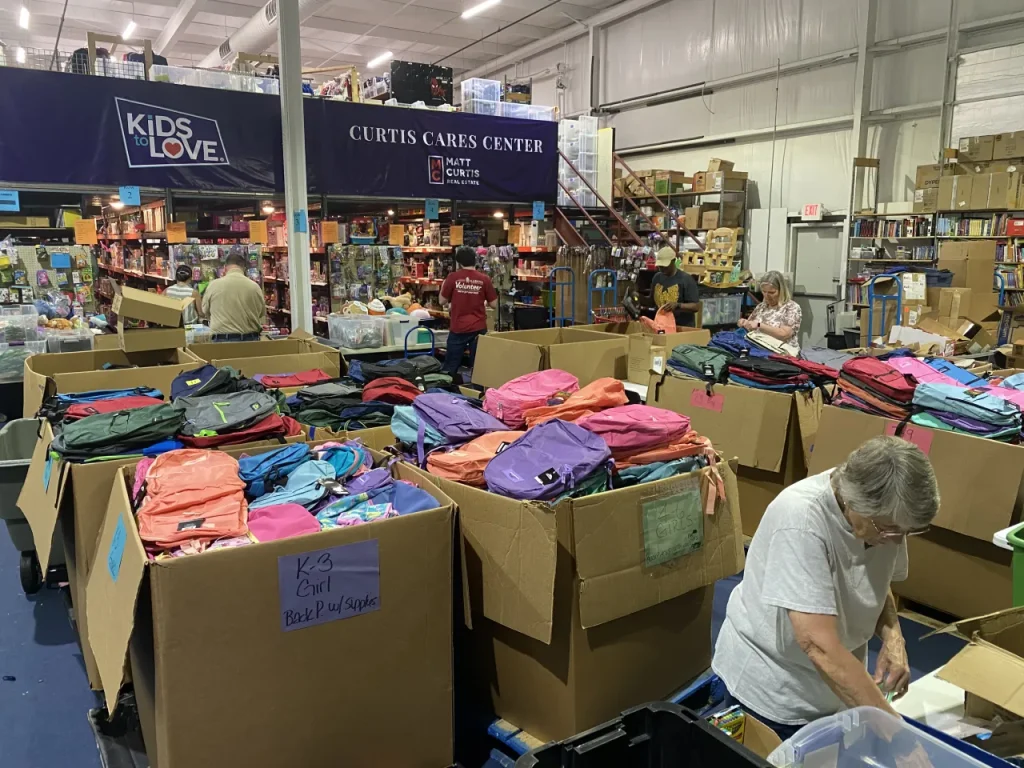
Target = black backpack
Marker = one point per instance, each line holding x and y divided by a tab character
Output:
408	368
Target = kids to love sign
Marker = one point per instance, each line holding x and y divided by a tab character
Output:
328	584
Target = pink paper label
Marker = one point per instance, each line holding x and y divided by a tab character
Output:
699	398
919	436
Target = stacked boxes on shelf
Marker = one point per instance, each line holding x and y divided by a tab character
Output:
483	97
577	141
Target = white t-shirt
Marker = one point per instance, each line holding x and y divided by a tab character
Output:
803	557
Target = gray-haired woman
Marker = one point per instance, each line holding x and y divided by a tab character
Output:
816	588
778	315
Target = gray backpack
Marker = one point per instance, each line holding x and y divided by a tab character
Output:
208	415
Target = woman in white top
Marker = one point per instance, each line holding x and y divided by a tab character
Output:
183	290
778	315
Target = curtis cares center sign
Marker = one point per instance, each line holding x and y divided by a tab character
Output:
111	132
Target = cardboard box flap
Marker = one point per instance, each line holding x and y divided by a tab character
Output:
39	500
511	551
988	671
152	307
277	364
1003	628
113	588
637	547
500	359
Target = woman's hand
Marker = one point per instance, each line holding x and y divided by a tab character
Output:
892	669
744	323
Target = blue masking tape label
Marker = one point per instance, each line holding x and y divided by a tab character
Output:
10	200
301	223
431	209
130	195
538	210
46	472
116	552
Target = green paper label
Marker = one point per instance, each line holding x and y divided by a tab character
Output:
673	527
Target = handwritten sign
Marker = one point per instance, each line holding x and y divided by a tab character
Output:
258	231
919	436
431	209
116	552
699	398
328	584
85	232
176	232
329	232
538	210
455	236
130	195
300	220
673	527
396	234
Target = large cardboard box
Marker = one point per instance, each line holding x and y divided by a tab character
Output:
75	495
297	343
950	302
100	369
730	215
163	314
1006	146
976	149
649	351
1004	190
980	186
969	510
724	181
692	216
378	595
973	264
761	428
926	200
718	164
585	353
927	176
670	182
297	363
581	610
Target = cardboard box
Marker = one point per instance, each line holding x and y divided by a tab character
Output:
951	302
694	214
559	600
725	181
305	361
1008	145
718	164
296	343
587	354
926	200
1004	190
973	264
649	351
927	176
670	182
730	215
700	181
104	369
229	610
963	192
979	192
976	148
156	310
75	495
763	429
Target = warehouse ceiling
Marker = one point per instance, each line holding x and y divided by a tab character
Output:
343	31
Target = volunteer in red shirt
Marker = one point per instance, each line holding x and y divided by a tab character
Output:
467	293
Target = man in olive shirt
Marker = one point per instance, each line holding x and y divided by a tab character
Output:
235	304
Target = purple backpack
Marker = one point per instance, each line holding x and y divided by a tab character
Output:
548	461
457	419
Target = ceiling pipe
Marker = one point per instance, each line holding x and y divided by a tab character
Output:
258	33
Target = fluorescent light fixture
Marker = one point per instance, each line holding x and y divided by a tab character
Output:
23	18
19	55
499	215
479	8
116	203
128	31
391	212
386	56
268	208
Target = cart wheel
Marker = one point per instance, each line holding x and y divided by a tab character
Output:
31	575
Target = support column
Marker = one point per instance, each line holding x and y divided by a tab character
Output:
295	188
949	79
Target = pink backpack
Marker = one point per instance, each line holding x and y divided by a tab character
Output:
1015	396
628	429
511	400
281	521
921	371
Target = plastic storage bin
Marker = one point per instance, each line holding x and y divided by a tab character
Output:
519	111
479	88
358	331
17	441
12	359
538	112
863	738
657	735
18	327
481	107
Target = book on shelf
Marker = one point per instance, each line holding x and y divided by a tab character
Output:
968	225
912	226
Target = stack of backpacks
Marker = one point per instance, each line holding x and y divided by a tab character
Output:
192	500
874	386
540	437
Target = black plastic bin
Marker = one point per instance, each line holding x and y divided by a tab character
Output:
656	735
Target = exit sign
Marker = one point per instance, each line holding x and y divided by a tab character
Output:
812	212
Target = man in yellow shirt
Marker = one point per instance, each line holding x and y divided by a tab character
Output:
235	304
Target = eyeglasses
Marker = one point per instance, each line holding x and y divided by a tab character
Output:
895	534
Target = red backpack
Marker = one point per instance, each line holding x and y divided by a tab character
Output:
391	389
273	426
81	410
303	379
881	378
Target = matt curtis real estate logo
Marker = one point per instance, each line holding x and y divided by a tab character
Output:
155	137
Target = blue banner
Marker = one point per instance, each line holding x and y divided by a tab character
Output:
100	131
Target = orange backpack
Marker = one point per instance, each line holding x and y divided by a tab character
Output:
192	495
466	464
664	321
596	396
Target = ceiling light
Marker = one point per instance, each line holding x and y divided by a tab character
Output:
479	8
268	208
391	212
19	55
128	31
386	56
116	203
23	18
499	215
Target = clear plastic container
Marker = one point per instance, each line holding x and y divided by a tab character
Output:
479	88
518	111
866	737
587	162
481	107
18	328
358	331
537	112
589	125
588	142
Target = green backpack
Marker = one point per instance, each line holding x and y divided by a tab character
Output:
691	360
106	434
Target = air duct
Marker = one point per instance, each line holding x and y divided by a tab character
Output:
258	33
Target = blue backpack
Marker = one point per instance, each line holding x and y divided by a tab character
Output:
305	487
547	462
205	380
346	459
973	403
265	471
734	342
405	424
1010	382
